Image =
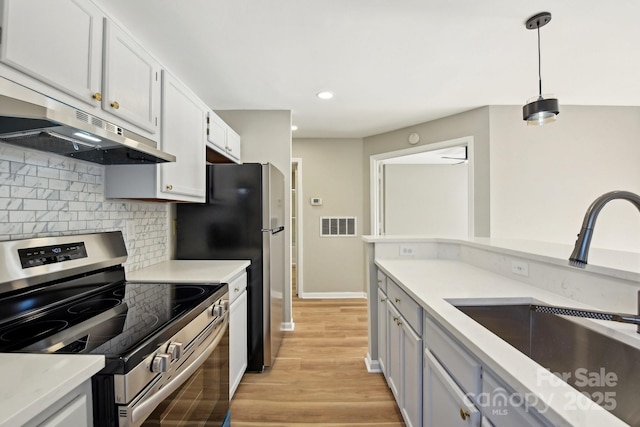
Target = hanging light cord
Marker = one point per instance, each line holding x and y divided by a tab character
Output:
539	66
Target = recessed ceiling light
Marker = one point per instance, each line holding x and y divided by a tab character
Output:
325	95
294	127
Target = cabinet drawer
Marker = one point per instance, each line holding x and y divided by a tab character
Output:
382	281
408	308
498	405
236	286
462	367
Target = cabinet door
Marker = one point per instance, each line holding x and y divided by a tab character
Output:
216	131
411	384
394	355
56	42
382	330
183	134
131	81
234	144
445	404
237	342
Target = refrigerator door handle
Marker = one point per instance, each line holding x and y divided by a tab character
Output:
273	230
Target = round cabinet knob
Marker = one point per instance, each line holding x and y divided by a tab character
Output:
464	414
161	362
397	299
174	349
97	96
382	299
115	105
236	289
169	187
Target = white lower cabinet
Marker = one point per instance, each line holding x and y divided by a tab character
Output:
74	409
237	331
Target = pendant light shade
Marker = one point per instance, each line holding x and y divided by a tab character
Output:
541	109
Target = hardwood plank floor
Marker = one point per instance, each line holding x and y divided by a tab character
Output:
319	377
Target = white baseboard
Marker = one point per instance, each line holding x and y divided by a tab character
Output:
333	295
287	326
373	366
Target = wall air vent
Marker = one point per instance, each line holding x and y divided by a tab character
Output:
333	226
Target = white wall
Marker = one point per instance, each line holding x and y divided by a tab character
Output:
543	179
427	200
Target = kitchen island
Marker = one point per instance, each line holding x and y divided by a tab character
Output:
435	274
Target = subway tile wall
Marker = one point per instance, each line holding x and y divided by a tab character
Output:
47	195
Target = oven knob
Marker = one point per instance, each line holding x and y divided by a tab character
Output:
175	350
161	362
218	310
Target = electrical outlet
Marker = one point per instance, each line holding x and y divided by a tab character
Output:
406	250
520	268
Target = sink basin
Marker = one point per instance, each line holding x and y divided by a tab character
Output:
604	369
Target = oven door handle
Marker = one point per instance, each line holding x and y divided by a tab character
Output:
143	409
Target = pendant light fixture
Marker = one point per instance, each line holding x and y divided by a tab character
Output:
541	109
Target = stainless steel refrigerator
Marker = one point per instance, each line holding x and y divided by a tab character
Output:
243	218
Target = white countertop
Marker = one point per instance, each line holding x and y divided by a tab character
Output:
33	382
190	271
433	283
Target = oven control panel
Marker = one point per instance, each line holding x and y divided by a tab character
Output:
33	257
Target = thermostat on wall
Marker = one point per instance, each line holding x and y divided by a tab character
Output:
316	201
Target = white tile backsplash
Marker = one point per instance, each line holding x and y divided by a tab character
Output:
42	195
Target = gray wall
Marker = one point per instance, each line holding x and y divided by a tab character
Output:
331	170
266	138
473	123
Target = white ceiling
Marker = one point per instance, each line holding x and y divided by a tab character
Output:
390	63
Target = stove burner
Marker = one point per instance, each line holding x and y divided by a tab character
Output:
119	292
187	292
34	330
93	306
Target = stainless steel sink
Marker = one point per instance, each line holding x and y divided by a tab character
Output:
588	360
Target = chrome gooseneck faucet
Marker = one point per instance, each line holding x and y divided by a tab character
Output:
580	252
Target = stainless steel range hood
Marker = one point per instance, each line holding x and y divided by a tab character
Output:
31	120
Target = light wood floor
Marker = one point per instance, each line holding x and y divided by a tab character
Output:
319	377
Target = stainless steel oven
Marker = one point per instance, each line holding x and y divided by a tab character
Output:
166	345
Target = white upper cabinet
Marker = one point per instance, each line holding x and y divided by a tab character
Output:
183	133
56	42
131	81
69	50
222	139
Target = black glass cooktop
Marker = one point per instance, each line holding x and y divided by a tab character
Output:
99	314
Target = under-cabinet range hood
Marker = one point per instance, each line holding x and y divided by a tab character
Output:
31	120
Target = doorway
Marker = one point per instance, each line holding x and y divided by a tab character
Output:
296	228
425	190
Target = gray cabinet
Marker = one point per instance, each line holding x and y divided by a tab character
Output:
400	348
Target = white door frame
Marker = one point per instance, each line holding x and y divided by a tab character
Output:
296	164
375	168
